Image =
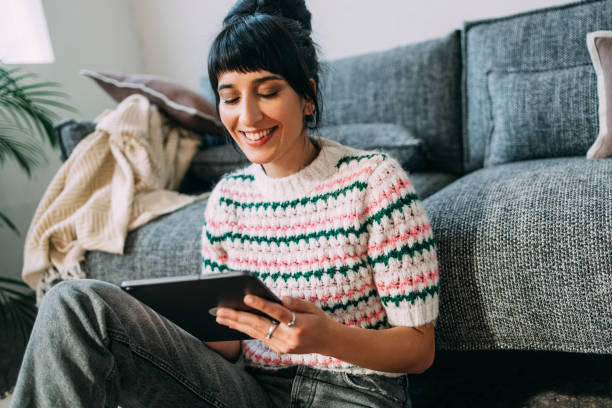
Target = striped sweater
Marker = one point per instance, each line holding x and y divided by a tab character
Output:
348	233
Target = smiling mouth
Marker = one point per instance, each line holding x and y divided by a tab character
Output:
255	136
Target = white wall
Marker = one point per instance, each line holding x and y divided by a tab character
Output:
84	34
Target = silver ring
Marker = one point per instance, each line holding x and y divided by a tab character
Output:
292	322
273	325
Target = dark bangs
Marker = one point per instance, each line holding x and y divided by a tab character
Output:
264	42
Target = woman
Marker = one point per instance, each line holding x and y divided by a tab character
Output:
338	233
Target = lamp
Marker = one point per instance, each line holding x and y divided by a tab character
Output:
24	38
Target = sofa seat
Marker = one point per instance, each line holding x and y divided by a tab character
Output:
525	257
167	246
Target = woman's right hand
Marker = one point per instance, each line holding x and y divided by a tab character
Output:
228	349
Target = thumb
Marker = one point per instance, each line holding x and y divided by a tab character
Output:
298	305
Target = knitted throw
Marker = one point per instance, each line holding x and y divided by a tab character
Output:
348	233
118	178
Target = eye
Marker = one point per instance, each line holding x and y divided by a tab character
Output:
230	101
269	94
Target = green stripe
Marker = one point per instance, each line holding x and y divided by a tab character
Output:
387	211
406	249
213	265
410	297
319	273
348	159
352	302
248	177
293	203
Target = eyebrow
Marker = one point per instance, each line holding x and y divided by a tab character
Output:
256	81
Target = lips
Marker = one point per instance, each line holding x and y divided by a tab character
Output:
257	138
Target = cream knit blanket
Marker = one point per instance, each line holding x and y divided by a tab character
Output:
117	179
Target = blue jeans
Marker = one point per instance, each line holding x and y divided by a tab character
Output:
94	345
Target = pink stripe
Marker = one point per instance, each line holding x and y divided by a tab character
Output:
338	297
402	183
409	282
284	264
313	224
237	194
371	316
412	233
346	179
277	361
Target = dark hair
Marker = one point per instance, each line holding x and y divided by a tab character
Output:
271	35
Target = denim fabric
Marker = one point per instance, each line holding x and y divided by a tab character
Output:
524	257
94	345
542	42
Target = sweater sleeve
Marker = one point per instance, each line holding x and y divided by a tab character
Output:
214	256
401	247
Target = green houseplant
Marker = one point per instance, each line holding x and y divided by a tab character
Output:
26	108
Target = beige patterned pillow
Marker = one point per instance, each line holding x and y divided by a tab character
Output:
600	48
188	108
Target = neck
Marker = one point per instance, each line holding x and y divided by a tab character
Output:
275	171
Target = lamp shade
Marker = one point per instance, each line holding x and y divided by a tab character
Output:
24	38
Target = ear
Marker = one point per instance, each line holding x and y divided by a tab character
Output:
310	106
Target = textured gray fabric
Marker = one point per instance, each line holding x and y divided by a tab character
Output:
166	246
542	114
70	132
208	165
551	39
395	140
430	182
416	86
524	257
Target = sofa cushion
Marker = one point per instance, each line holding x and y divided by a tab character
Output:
600	48
427	183
528	50
70	132
416	86
185	106
540	114
393	139
524	257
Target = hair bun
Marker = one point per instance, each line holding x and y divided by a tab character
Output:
291	9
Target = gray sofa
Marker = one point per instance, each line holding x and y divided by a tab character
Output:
492	122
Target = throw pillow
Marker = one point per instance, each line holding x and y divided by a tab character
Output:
600	48
395	140
210	164
189	109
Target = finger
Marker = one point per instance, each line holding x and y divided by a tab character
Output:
299	305
272	309
249	323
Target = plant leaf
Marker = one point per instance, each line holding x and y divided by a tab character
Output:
8	222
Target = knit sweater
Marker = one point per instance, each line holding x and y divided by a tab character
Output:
348	232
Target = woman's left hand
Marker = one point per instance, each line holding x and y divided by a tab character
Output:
311	332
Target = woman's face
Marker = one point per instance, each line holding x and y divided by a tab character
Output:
265	116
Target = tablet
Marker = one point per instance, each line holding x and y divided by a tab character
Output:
191	301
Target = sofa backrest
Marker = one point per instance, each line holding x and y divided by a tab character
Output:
529	87
416	86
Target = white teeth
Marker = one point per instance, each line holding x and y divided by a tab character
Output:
257	135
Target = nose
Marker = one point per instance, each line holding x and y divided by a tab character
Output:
250	113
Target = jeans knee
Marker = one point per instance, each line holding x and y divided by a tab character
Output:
66	291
